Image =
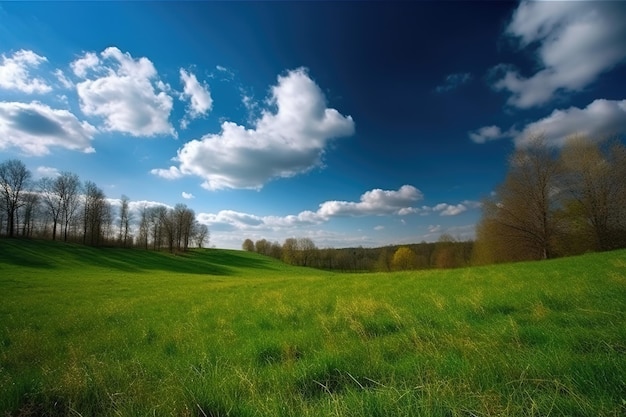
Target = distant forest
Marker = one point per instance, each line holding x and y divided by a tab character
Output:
553	202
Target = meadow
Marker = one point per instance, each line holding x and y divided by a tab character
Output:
87	332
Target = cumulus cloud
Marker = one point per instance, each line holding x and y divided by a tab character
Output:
87	62
453	81
375	202
34	128
282	143
15	72
125	92
44	171
575	42
187	196
445	209
199	96
599	120
63	80
487	134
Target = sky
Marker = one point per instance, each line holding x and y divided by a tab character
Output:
350	123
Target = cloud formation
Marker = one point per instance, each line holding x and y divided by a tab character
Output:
575	42
282	143
15	72
598	121
376	202
125	92
487	134
454	81
199	96
445	209
35	128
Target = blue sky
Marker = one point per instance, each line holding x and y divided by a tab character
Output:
352	123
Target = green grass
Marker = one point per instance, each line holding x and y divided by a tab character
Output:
88	332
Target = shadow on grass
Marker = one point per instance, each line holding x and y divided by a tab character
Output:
52	255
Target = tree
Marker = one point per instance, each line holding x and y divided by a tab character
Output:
594	180
51	201
403	258
306	251
262	246
144	228
289	250
96	215
14	179
248	245
520	218
201	234
125	219
29	209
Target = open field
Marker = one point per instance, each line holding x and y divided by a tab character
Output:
89	332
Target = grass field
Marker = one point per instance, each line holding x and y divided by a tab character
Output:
88	332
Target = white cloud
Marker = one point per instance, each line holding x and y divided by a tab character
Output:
35	128
89	61
187	196
576	41
281	144
434	228
372	203
379	228
453	81
445	209
15	72
63	80
376	202
599	120
44	171
486	134
125	92
172	173
199	96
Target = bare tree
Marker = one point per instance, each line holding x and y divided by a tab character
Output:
201	234
60	197
96	215
125	219
68	188
51	201
521	215
14	180
594	180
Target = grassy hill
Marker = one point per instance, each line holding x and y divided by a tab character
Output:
88	332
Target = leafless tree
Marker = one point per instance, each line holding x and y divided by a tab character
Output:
594	183
521	215
14	180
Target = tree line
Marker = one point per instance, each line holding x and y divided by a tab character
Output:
447	252
556	202
64	208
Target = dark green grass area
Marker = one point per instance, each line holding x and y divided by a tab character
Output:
89	332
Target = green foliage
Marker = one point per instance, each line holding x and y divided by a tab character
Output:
110	331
